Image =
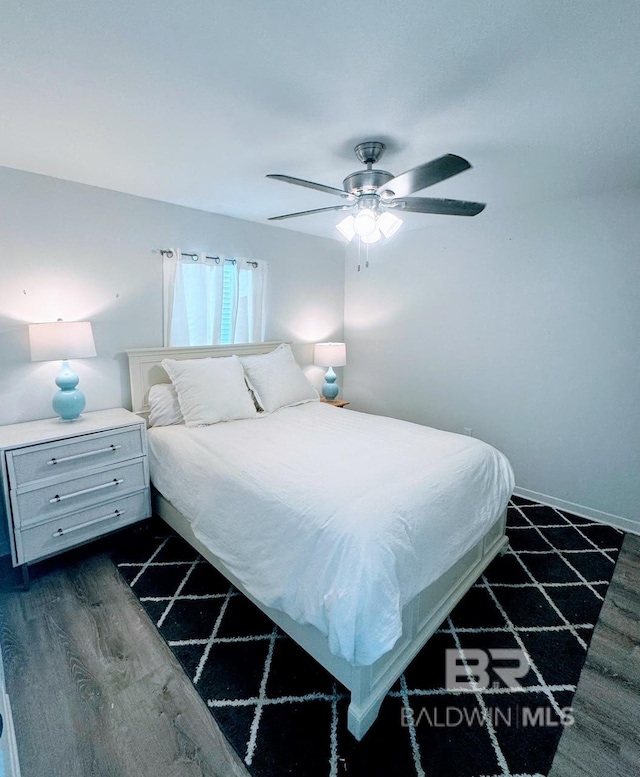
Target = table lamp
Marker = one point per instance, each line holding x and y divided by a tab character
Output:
63	340
330	355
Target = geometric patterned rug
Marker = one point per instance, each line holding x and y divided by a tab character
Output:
488	695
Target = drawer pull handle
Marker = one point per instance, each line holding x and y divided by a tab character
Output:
114	514
110	449
110	484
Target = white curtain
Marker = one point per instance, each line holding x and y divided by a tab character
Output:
212	300
249	315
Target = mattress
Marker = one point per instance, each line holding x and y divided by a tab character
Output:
338	518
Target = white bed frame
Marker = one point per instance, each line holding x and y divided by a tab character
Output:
420	617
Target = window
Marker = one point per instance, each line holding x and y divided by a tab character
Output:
210	300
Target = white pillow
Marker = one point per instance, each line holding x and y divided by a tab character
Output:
210	390
164	409
277	380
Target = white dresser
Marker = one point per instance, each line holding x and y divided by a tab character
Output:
65	483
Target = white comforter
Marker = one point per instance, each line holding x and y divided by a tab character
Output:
338	518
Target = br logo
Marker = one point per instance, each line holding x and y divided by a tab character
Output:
467	669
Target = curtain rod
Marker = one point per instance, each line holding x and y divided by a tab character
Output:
168	252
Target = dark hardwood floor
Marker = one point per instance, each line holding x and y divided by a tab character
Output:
605	739
95	690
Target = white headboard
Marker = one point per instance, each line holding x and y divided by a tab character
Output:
145	368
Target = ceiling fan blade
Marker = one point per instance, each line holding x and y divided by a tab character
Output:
444	207
425	175
310	185
307	212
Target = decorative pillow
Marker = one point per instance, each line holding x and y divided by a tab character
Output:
210	390
164	409
276	379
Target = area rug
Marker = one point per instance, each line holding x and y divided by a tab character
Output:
488	695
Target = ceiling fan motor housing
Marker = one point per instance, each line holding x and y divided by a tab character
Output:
363	181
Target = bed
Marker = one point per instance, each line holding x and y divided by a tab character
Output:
355	534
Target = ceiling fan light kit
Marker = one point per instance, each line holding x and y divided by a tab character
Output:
385	225
372	194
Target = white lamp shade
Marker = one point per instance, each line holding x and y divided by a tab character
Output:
373	237
365	222
345	227
61	340
330	354
389	224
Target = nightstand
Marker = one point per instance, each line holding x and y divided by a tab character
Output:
66	483
335	402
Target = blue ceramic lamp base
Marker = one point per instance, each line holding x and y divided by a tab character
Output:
69	402
330	388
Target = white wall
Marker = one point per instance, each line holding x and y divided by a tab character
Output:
524	326
77	252
80	253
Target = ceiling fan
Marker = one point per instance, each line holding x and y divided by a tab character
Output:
374	196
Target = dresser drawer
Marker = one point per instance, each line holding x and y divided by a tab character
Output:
33	505
48	538
51	460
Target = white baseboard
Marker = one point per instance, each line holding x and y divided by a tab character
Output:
617	521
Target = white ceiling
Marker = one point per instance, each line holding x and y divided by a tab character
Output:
193	102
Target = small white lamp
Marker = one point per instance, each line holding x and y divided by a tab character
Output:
63	340
330	355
